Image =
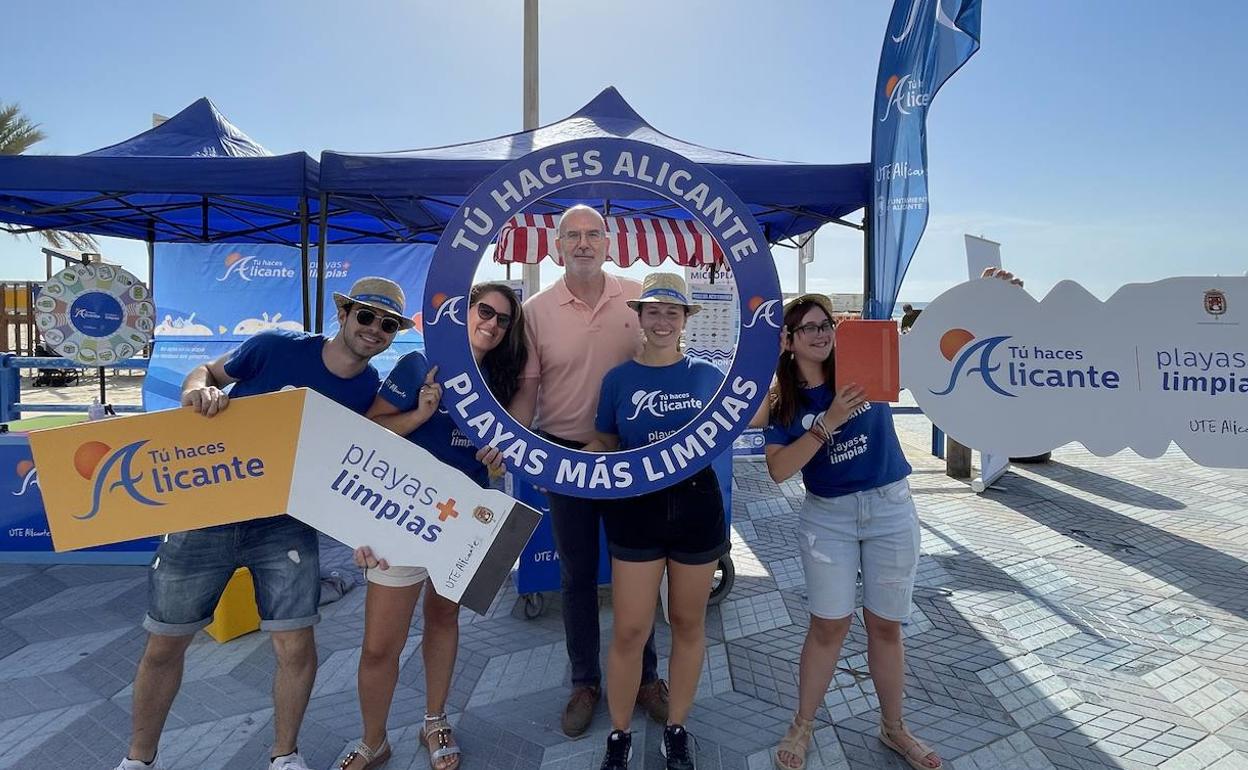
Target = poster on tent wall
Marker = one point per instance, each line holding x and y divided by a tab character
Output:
211	297
711	335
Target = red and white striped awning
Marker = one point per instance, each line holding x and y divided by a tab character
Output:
529	238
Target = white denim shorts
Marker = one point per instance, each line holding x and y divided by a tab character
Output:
397	577
875	533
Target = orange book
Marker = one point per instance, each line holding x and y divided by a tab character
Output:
866	355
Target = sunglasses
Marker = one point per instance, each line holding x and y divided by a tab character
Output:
486	312
365	317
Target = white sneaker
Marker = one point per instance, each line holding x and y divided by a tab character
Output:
134	764
289	762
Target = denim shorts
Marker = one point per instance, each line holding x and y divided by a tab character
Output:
875	533
191	569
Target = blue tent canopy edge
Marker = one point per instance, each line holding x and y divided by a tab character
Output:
413	193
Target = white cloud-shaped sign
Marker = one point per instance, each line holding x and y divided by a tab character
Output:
1156	363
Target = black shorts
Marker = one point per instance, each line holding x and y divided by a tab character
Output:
684	522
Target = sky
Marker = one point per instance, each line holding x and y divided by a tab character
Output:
1097	141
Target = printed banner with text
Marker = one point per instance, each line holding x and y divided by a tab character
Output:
926	42
211	297
293	452
1156	363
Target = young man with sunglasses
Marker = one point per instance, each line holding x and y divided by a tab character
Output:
191	569
580	328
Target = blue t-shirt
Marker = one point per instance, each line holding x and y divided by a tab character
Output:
439	434
272	360
643	404
864	453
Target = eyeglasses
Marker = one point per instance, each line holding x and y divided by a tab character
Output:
486	312
365	317
592	236
809	330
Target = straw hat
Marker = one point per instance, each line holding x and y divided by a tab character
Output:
819	299
380	294
664	287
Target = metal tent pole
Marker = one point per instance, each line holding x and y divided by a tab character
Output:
531	274
868	269
320	264
303	260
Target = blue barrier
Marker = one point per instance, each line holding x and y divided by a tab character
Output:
11	406
938	435
70	408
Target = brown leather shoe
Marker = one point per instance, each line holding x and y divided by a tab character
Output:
652	697
580	710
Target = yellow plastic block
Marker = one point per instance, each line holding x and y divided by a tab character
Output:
236	612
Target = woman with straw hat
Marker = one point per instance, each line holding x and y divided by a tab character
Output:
680	529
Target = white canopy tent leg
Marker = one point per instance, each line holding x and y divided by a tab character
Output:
805	255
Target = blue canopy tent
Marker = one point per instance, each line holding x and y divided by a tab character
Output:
411	195
194	178
418	191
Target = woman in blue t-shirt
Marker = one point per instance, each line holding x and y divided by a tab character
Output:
680	529
409	404
858	516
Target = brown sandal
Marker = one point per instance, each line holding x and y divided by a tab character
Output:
373	758
437	736
916	750
796	742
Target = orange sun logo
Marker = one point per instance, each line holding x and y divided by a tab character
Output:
23	468
88	456
889	85
233	257
754	303
954	340
438	299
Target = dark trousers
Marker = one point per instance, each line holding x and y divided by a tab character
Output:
575	522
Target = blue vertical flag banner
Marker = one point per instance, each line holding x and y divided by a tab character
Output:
926	42
211	297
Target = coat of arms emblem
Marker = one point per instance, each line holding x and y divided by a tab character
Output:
1215	302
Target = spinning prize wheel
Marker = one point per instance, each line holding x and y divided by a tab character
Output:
95	314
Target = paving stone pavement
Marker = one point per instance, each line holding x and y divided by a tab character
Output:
1085	613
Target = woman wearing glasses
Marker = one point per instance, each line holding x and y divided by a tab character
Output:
679	529
408	404
857	517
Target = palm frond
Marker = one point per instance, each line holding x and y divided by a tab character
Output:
17	133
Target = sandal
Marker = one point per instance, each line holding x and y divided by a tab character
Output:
437	737
373	758
796	742
894	734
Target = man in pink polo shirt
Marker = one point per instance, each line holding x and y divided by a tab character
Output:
578	329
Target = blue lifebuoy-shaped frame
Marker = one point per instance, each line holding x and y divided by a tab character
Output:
540	175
